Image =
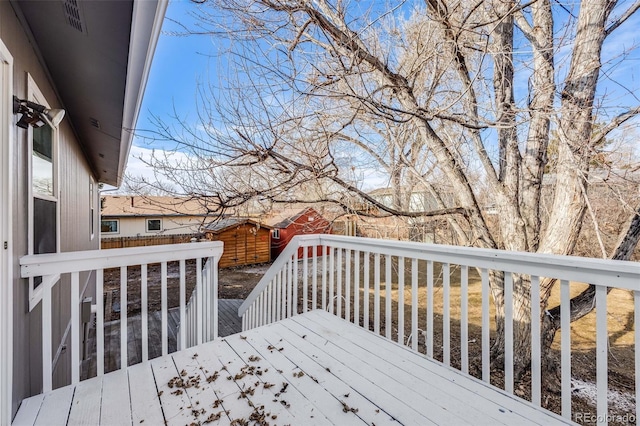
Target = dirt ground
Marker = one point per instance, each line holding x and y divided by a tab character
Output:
233	283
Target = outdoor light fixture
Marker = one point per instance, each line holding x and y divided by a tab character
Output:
35	114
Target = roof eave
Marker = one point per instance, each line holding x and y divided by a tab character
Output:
146	25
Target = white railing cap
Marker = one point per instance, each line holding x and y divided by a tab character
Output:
87	260
614	273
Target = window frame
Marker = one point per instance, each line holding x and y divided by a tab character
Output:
117	222
92	207
34	94
7	140
275	234
146	225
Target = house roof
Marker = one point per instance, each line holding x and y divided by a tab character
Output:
131	206
416	190
289	216
230	222
97	55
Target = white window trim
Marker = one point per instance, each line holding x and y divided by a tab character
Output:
117	221
92	207
275	234
34	94
146	225
7	134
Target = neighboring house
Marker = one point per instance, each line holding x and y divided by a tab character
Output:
419	200
140	216
246	242
91	58
287	224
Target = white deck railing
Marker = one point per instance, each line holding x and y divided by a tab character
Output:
353	271
188	334
51	267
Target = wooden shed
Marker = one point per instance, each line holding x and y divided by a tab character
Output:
286	226
246	242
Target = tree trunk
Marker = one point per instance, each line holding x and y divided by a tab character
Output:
540	34
574	147
585	302
521	324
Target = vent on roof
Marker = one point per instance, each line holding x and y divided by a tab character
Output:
73	13
94	122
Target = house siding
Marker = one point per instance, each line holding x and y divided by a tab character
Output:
74	230
171	225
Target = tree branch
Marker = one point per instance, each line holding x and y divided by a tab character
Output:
615	24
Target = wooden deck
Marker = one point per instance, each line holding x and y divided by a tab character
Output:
309	369
228	323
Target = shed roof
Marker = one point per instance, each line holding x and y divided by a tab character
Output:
287	217
230	222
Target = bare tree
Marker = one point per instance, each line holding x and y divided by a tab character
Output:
318	91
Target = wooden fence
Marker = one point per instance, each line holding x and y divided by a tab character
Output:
154	240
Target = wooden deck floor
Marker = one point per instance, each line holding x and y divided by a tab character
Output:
228	323
310	369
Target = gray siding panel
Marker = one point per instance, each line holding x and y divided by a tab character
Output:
74	235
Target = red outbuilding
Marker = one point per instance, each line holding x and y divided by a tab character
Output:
307	221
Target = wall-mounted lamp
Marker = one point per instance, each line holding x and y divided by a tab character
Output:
35	114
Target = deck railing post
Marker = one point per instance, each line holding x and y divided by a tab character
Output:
215	305
123	317
536	365
339	272
100	319
199	302
47	379
508	332
565	345
602	354
446	313
401	300
75	327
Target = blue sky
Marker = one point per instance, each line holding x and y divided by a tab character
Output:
181	62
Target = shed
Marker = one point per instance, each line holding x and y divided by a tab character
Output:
286	226
246	242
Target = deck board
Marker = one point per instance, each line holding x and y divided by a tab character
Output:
83	411
145	405
310	369
116	406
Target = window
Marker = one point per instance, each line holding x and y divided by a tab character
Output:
110	226
154	225
43	216
42	161
43	223
275	234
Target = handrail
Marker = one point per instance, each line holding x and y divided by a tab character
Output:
363	281
583	269
593	271
276	266
59	263
68	266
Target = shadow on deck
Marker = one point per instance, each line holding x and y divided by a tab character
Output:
228	323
